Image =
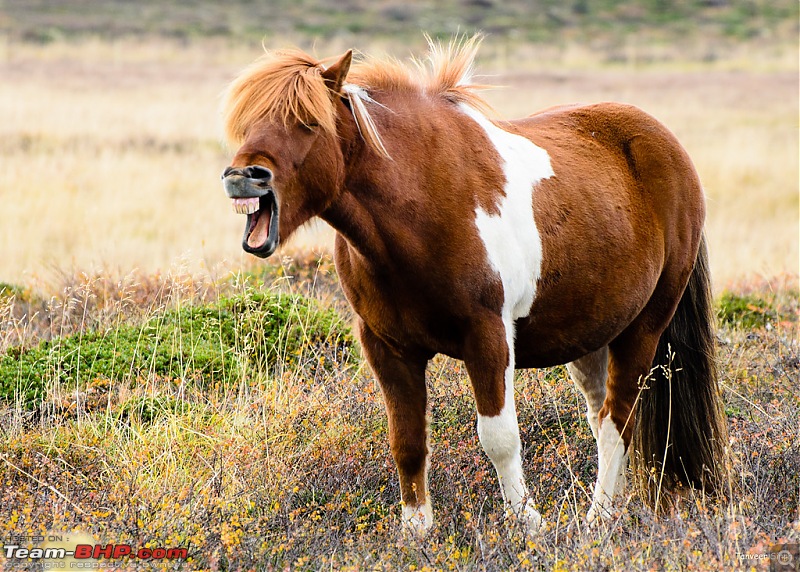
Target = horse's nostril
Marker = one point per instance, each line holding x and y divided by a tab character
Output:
228	171
256	172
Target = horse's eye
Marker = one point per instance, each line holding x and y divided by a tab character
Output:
311	126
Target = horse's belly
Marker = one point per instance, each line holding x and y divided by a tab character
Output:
576	319
579	317
545	347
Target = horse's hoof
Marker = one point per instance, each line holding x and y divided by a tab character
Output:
592	519
597	515
534	523
529	519
417	521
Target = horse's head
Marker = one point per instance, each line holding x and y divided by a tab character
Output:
289	166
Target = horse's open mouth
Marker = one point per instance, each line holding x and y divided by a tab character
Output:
261	231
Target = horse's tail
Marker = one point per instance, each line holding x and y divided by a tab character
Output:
680	436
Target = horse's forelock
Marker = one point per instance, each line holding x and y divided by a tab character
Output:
285	86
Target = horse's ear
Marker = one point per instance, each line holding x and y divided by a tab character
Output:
336	73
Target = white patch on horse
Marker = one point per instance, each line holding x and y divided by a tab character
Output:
612	458
514	250
511	239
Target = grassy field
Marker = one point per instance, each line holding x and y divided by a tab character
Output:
236	419
160	388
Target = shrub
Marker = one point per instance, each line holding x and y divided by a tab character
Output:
744	311
145	409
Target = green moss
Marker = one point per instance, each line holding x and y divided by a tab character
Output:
746	311
220	342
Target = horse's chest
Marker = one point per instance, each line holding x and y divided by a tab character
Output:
425	318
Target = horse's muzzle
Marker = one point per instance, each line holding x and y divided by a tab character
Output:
249	182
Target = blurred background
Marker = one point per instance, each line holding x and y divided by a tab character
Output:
110	134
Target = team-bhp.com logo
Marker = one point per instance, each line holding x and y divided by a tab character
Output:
96	551
57	551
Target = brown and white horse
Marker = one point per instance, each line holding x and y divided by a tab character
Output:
569	236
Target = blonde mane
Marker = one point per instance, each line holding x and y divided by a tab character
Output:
287	86
445	72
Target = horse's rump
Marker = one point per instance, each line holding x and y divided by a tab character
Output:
623	209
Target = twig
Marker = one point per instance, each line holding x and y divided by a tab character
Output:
49	486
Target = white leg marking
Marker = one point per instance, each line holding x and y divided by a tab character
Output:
499	436
514	250
417	519
612	458
590	373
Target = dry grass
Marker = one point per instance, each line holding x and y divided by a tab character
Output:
112	152
112	159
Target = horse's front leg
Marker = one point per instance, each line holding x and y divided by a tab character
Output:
489	358
402	381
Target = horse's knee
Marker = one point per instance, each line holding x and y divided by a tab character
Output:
499	437
409	458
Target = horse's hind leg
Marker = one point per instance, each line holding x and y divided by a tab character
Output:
402	381
590	373
629	359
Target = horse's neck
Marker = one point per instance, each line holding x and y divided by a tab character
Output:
355	221
438	173
367	212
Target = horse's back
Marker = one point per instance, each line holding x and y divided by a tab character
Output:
612	124
629	153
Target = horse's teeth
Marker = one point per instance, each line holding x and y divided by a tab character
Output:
245	206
